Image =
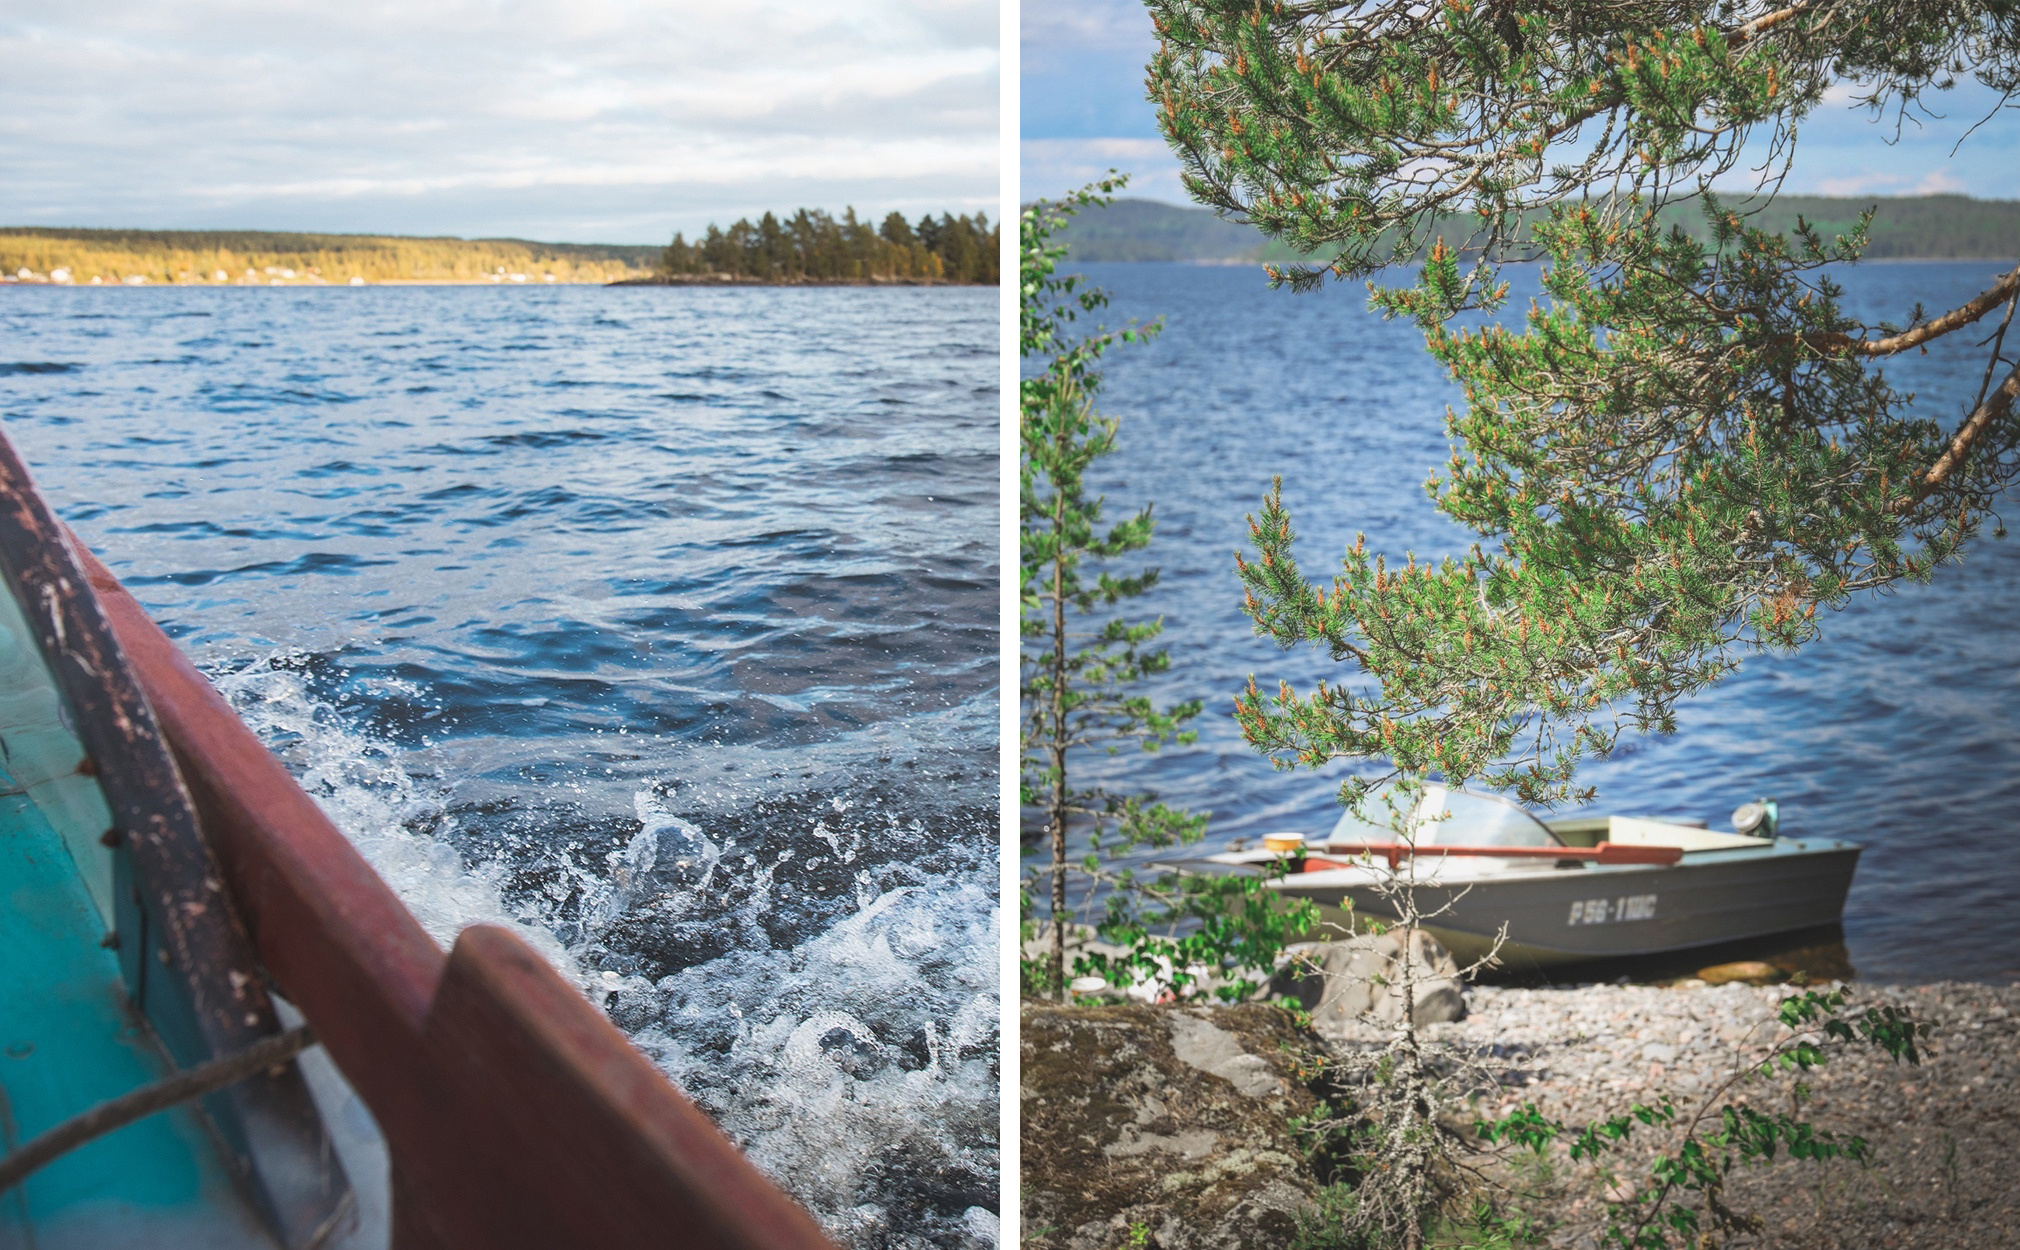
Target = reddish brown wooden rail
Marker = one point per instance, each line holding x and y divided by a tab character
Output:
514	1113
1396	852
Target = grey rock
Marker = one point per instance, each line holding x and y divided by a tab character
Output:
1199	1044
1192	1143
1166	1121
1344	983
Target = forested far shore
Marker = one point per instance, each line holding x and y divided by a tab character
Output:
1927	227
274	258
813	247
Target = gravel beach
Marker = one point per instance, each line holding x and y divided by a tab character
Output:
1945	1135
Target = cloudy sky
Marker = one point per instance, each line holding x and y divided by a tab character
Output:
1081	80
567	120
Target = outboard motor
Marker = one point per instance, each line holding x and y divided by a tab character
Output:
1758	819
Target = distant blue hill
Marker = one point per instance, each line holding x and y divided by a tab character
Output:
1929	227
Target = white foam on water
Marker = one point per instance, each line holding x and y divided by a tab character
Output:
871	1044
396	822
857	1067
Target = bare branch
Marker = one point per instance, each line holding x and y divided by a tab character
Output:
1767	22
1956	319
1995	408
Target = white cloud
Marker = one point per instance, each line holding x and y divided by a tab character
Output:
1084	25
1051	167
492	116
1877	182
1941	182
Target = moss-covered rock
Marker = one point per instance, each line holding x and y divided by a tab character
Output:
1163	1126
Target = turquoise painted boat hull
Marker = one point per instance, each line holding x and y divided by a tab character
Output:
120	958
71	1039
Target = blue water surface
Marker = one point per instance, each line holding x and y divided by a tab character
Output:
1900	729
658	622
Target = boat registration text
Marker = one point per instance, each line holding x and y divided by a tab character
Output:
1605	910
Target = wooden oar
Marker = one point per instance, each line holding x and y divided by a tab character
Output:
1396	852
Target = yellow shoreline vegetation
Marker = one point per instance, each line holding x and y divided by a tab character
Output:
265	258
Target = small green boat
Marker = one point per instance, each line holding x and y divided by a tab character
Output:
1492	877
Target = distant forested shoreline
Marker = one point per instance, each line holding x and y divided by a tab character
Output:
279	258
813	248
1929	227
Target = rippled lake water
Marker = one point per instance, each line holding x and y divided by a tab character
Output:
660	623
1899	730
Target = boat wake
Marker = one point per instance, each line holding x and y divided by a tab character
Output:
812	960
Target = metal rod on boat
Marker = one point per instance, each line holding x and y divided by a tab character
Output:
117	1113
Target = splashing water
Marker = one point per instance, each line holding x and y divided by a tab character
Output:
397	824
858	1065
867	1051
658	625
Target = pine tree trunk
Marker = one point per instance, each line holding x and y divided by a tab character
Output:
1056	729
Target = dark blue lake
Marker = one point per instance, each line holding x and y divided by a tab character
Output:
1900	729
660	623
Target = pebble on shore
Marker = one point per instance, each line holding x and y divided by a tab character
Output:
1945	1135
1108	1133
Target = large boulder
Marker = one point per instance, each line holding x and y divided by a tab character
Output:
1162	1126
1346	984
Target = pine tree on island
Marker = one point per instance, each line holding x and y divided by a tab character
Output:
813	247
